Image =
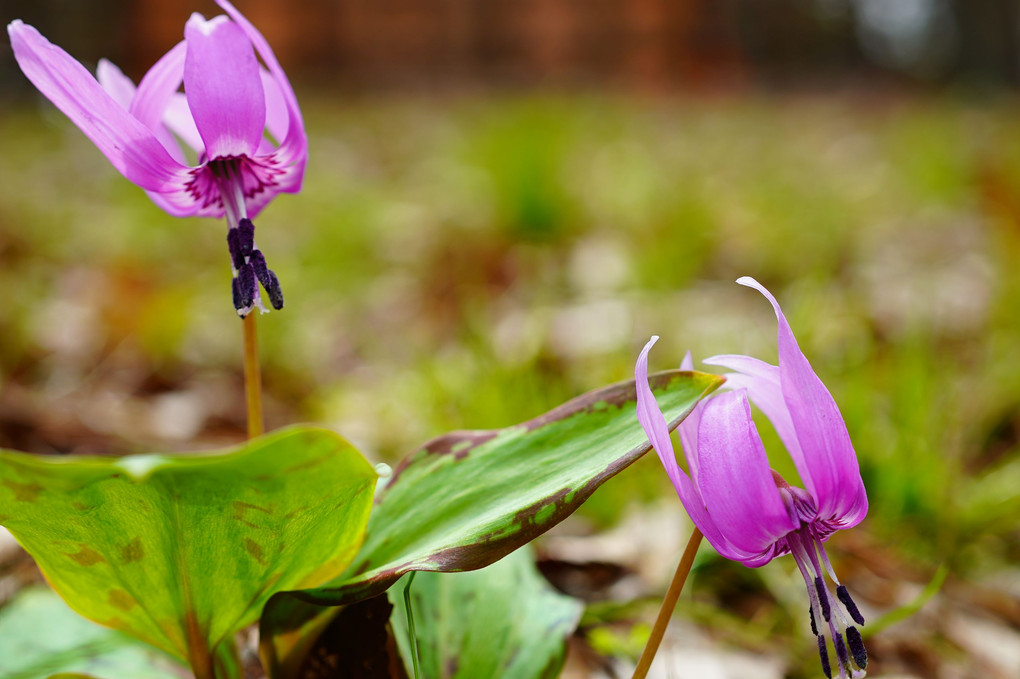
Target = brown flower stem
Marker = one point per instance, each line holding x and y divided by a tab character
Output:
668	604
200	657
202	665
252	377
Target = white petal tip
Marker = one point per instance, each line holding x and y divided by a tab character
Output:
752	283
206	27
648	345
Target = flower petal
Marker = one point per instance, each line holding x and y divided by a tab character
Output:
155	92
180	204
116	84
177	118
294	147
223	87
829	457
735	480
761	380
688	362
127	143
654	424
158	87
853	511
288	181
277	116
651	418
688	429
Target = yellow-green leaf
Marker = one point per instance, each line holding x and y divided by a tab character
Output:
183	551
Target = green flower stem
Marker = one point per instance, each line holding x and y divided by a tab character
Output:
668	604
252	377
410	625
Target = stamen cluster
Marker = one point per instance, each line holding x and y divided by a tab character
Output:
249	265
806	551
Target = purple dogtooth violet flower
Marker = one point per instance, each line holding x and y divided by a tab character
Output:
746	511
239	118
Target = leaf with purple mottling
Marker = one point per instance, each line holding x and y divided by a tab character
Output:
467	499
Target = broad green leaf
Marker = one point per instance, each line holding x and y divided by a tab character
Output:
467	499
41	636
501	621
183	551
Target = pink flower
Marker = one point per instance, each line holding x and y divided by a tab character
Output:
239	117
744	508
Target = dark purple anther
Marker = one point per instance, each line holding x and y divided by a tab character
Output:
246	236
246	285
841	655
258	263
856	644
234	245
851	607
823	597
823	652
814	627
236	290
274	291
267	278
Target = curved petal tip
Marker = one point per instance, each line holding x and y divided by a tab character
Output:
749	282
641	367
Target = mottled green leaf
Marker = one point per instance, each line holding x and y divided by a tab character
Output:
501	621
467	499
183	551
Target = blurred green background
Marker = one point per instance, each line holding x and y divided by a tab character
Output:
471	260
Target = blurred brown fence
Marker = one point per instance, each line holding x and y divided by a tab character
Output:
637	44
642	43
